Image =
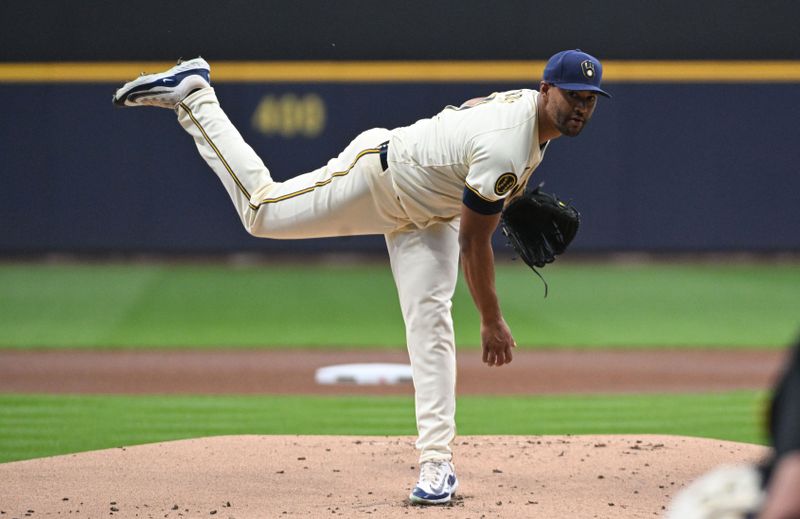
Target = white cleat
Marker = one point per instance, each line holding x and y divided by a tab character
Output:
437	483
165	89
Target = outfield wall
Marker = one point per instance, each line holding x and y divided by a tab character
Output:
661	167
688	156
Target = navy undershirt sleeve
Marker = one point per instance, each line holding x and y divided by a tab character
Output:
479	205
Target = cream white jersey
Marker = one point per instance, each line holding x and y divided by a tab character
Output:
481	153
490	149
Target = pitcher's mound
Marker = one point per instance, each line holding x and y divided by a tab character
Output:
240	477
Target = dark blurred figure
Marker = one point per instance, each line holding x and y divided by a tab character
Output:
782	477
749	491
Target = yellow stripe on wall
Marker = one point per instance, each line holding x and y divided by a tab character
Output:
407	71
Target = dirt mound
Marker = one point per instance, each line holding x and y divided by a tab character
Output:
552	477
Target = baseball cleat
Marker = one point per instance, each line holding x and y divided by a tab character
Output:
437	483
165	89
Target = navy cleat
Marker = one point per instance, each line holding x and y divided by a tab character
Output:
437	483
165	89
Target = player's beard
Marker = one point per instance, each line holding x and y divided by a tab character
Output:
571	125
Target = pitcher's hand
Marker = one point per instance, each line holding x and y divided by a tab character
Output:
497	343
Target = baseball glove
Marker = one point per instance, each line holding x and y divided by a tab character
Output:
539	227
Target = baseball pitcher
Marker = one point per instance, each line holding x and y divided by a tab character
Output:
435	189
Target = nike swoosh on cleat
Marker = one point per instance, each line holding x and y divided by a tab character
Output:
137	95
421	494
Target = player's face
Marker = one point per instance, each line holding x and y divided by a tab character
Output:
570	110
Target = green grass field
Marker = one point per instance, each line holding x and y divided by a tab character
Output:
322	306
174	306
37	425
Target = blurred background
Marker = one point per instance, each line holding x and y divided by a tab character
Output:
114	234
696	152
694	160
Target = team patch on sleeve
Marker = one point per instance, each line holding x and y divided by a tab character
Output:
505	183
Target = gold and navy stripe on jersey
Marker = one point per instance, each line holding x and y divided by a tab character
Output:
281	198
473	199
476	192
216	151
321	183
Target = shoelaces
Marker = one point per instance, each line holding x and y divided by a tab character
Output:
432	472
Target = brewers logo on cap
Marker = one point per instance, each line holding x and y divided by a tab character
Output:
504	183
588	68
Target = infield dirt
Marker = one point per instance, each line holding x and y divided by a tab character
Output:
292	371
547	477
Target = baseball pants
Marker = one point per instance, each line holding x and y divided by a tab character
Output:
352	195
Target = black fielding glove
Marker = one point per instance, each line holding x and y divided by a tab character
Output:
539	227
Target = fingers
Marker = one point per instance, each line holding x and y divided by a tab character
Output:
490	358
498	355
489	355
507	356
497	342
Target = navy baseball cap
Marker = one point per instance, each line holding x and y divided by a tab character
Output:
574	70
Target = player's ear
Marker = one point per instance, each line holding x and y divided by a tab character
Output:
544	87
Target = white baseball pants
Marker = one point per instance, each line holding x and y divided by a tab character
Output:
352	195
